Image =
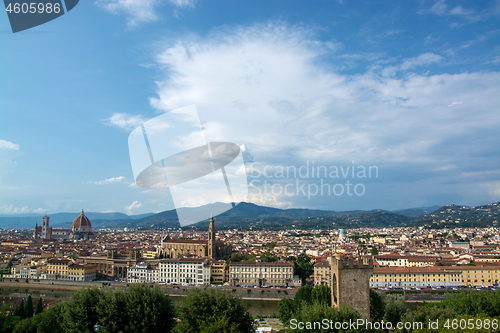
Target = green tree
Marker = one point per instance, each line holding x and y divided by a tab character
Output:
51	320
374	251
286	310
39	306
215	307
28	325
80	313
395	308
303	267
219	325
148	310
317	312
28	308
377	307
321	293
7	320
428	312
303	295
20	310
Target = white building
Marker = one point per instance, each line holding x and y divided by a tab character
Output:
142	273
193	271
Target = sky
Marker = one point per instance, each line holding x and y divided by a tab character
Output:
405	94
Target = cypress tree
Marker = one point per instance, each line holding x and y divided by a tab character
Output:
39	307
16	311
28	308
21	310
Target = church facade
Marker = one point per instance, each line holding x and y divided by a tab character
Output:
181	248
80	229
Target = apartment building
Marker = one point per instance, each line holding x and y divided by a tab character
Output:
142	273
218	271
481	275
195	271
385	277
278	273
322	273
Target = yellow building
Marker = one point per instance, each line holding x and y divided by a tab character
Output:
81	272
218	271
406	277
57	268
66	269
480	275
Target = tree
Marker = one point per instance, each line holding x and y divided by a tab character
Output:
318	312
7	320
147	310
39	306
80	313
321	293
374	251
286	309
20	310
28	308
377	307
51	320
395	308
303	295
213	307
303	267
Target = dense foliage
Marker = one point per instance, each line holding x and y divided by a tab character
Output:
139	309
213	310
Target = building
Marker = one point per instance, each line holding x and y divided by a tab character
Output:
480	275
81	272
278	273
180	248
193	271
342	235
142	273
81	229
322	273
401	277
350	283
115	263
218	271
57	268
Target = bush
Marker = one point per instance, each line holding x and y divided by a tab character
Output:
249	291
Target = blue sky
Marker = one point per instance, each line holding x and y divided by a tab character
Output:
411	88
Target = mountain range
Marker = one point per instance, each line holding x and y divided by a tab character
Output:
248	215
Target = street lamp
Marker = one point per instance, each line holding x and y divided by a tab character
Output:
97	327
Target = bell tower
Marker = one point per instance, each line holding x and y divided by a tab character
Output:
211	239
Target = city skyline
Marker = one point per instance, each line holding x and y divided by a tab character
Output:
409	88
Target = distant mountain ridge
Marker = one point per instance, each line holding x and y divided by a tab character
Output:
246	215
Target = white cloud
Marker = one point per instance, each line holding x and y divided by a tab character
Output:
8	145
133	206
421	60
13	188
183	3
124	121
10	209
455	103
136	11
268	87
109	180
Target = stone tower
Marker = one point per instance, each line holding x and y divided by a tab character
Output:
211	239
351	283
46	230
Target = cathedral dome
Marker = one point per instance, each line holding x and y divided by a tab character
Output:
81	221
